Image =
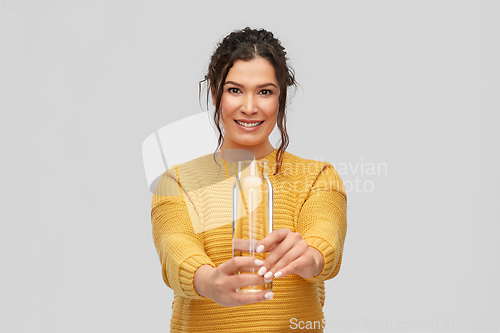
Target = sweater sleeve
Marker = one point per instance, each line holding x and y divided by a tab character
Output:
323	220
180	249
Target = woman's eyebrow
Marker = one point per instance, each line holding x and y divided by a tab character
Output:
259	86
267	84
232	82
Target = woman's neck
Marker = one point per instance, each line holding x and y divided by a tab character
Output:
259	151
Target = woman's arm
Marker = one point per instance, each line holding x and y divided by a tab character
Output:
180	249
186	268
323	220
315	250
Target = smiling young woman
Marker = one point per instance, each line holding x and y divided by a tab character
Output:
240	49
248	78
249	106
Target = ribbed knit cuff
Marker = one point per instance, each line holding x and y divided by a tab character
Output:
186	274
328	257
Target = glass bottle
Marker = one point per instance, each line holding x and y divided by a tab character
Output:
252	214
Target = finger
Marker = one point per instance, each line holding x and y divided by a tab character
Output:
244	245
301	266
242	299
260	269
291	268
238	263
299	250
248	269
272	240
293	239
235	299
238	281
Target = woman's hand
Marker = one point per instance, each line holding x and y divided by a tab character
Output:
288	254
219	284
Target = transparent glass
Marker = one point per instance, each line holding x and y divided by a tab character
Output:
252	214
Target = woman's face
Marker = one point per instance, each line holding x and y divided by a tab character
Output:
251	96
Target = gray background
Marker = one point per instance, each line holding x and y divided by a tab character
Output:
412	85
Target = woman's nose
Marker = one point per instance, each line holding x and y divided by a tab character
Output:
249	106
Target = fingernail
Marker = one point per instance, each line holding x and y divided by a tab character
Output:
262	270
267	280
278	274
259	262
260	249
269	295
268	275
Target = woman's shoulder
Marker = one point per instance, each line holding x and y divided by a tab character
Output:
312	172
299	165
194	163
202	167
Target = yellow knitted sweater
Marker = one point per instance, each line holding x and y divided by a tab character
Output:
191	216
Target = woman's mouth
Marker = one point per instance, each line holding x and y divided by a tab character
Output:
248	125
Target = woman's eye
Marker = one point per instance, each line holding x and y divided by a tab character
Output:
233	90
266	92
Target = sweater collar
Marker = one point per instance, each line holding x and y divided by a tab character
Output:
236	156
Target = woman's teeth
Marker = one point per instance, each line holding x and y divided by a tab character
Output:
249	124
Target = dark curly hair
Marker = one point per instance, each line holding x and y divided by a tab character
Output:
247	44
